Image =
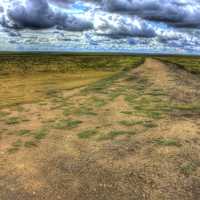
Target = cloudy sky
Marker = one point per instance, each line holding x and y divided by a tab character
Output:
141	26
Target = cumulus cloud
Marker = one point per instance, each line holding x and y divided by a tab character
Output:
39	14
33	14
14	33
180	13
115	25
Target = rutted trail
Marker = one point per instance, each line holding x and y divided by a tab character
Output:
157	72
181	85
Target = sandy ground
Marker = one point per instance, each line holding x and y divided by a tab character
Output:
150	158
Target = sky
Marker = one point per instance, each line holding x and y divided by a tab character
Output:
133	26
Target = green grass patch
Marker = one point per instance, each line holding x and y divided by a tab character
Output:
30	144
24	63
20	108
167	142
188	168
102	85
114	94
113	134
85	111
87	134
47	75
127	112
190	64
130	98
3	114
52	93
154	114
147	124
24	132
67	112
13	120
15	146
156	92
195	107
67	124
130	122
13	150
98	102
40	134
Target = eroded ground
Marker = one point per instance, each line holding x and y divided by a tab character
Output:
133	136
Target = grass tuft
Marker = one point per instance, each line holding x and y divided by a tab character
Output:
15	146
68	123
85	111
113	134
23	132
87	134
41	134
99	102
29	144
130	123
3	114
67	112
167	142
127	112
13	150
13	121
188	168
146	124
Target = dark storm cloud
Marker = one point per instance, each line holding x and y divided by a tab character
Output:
65	2
180	13
1	9
35	14
61	3
14	34
38	14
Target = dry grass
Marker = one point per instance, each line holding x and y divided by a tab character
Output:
123	137
190	64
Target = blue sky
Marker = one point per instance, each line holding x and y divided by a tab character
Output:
138	26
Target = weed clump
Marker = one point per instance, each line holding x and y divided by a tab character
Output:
67	123
167	142
87	134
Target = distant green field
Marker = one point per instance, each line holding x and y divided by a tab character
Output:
32	77
23	63
191	64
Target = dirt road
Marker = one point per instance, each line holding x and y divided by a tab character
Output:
133	137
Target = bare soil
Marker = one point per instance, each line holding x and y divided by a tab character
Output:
135	138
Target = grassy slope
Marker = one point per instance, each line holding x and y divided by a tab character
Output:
21	63
191	64
33	77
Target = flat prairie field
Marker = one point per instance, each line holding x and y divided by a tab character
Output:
105	127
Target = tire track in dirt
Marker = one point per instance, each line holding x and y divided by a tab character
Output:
181	85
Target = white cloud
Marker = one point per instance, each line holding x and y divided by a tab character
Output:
115	25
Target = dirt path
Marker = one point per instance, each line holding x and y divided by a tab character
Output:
133	137
157	72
